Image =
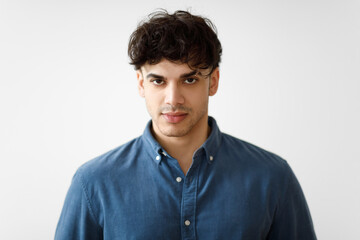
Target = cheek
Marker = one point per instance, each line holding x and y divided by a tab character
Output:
153	101
197	98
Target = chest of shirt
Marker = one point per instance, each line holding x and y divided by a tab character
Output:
158	201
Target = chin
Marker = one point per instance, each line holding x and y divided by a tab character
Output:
171	132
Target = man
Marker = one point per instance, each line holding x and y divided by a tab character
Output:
183	178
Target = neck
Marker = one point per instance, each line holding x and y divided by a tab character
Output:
182	148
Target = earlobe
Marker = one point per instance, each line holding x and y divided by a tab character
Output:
140	80
214	82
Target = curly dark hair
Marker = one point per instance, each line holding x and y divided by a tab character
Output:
179	37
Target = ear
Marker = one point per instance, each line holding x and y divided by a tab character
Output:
214	82
140	80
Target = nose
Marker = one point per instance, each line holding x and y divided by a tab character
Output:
174	95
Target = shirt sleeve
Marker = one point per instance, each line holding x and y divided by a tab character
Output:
292	220
77	220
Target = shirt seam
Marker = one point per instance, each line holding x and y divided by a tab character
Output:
285	199
88	201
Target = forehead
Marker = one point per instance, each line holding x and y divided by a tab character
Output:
165	66
169	69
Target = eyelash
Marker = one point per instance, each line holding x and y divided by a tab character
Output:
193	79
158	84
162	81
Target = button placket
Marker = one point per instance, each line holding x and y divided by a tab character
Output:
188	206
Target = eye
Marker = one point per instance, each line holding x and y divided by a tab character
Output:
157	82
190	80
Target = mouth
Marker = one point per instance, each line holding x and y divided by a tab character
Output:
174	117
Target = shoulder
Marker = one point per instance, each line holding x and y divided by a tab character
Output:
253	157
260	168
103	166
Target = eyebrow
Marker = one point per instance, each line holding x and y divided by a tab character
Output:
192	73
153	75
185	75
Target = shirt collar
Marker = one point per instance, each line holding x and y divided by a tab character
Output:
151	145
210	146
212	143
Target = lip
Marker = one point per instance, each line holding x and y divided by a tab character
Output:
174	117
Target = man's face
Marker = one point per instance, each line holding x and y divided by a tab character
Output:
176	96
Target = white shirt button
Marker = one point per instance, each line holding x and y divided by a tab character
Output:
158	158
178	179
187	223
211	158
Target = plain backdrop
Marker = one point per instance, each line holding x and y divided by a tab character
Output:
289	83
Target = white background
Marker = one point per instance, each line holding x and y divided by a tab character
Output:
289	83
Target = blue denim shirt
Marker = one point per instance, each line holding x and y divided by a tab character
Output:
233	190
